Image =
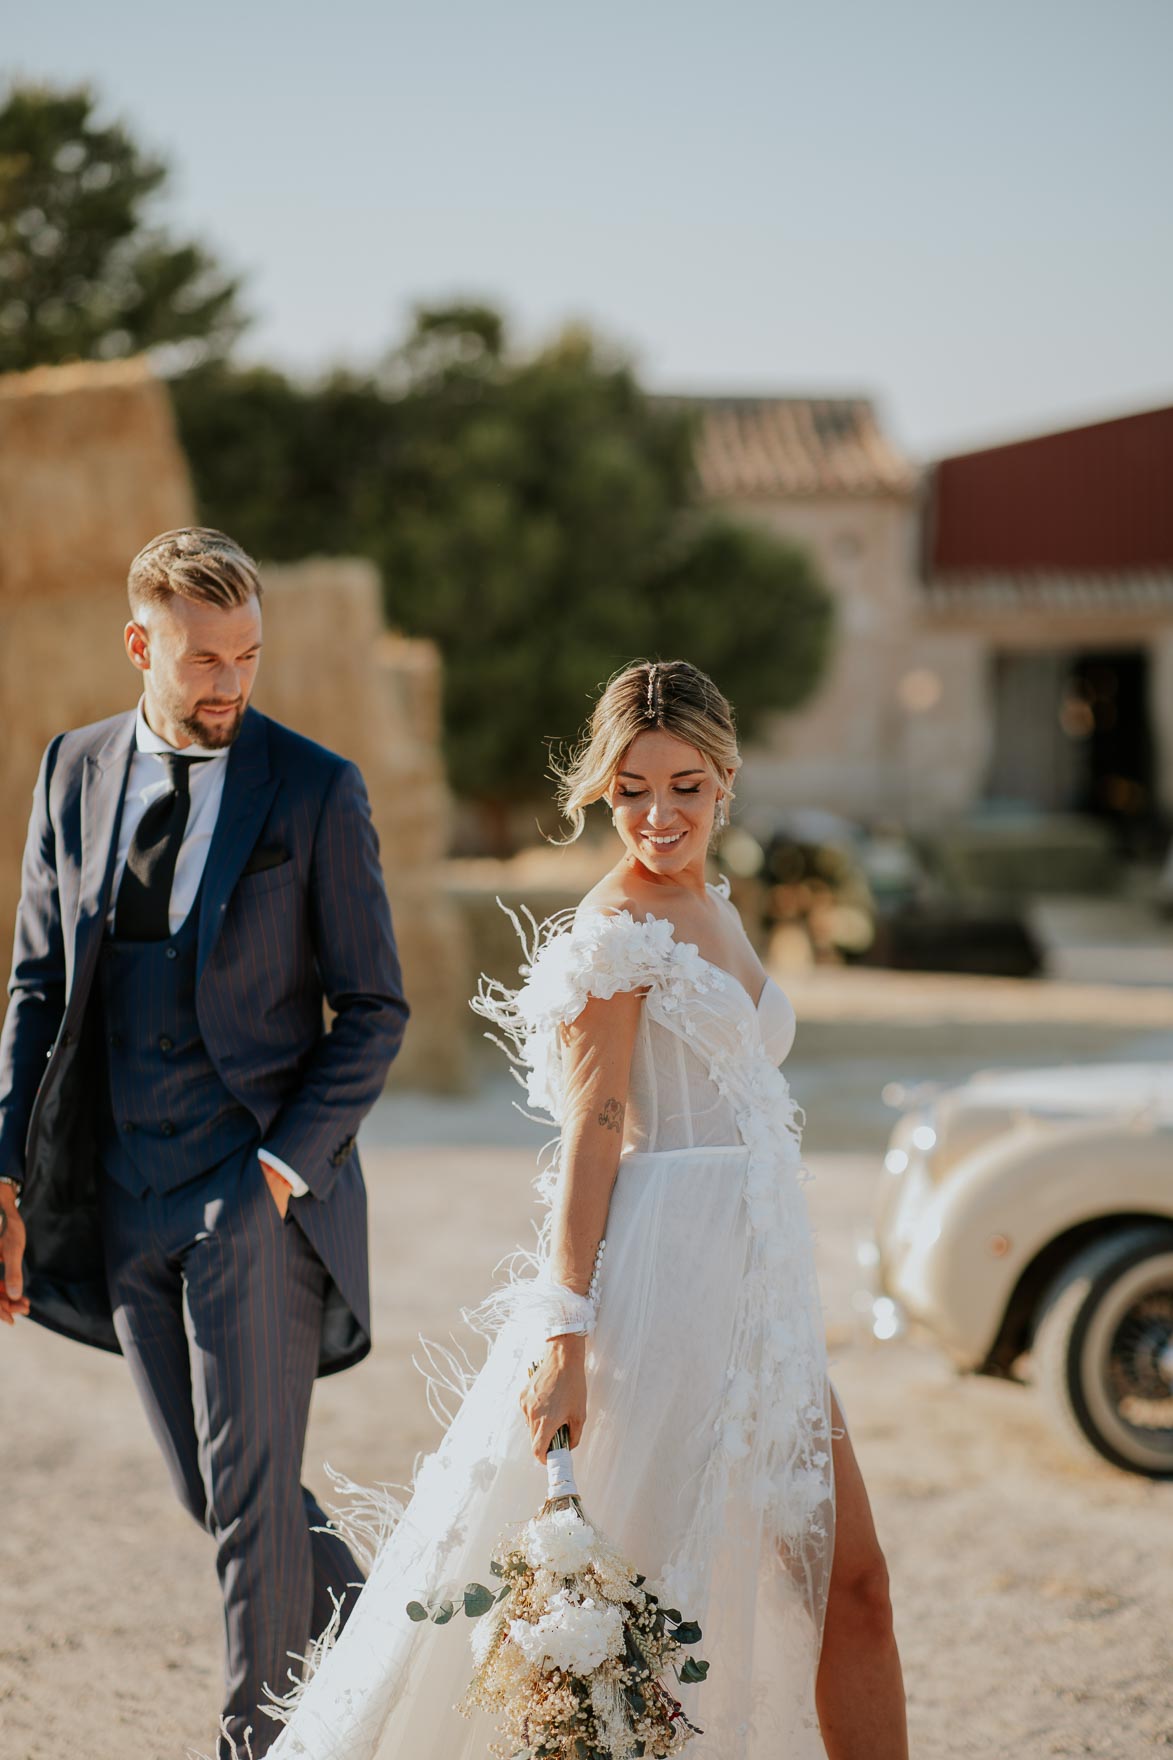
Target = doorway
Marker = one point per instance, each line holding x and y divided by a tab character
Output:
1072	734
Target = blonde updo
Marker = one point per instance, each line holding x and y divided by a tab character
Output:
669	695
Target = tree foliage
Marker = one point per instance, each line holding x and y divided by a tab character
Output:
533	515
84	273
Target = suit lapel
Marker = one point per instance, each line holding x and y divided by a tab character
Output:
249	791
102	790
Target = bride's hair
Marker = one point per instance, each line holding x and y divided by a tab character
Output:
670	695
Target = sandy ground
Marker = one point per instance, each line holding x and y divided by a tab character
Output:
1032	1591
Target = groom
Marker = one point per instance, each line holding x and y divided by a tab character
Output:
178	1176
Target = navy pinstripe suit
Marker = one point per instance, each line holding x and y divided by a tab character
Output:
224	1312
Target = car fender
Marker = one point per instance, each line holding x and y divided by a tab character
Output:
1007	1202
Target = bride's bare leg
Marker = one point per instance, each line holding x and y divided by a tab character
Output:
860	1689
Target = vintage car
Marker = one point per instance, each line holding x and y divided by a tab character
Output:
1025	1218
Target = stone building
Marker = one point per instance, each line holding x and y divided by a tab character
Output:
1005	618
1052	558
90	468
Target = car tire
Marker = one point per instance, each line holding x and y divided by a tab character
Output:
1096	1348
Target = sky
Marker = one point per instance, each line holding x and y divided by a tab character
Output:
960	209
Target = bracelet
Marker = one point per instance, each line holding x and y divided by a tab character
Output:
578	1313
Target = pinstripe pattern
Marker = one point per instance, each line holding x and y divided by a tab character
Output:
217	1305
272	945
223	1313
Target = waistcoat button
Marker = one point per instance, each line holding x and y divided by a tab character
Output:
128	1127
167	1128
166	1044
172	954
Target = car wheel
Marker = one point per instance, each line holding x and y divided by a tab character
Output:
1103	1350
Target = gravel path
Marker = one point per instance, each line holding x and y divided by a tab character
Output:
1031	1590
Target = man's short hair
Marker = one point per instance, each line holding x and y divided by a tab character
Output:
195	562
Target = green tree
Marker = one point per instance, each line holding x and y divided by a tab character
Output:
534	516
84	273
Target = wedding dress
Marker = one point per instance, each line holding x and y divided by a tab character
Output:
706	1455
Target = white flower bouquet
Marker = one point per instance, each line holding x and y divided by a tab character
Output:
572	1649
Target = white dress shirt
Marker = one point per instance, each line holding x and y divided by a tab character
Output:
147	781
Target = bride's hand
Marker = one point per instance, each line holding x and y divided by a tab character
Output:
556	1393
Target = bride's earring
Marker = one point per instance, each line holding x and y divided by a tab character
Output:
722	817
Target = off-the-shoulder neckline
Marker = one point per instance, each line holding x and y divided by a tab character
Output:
691	946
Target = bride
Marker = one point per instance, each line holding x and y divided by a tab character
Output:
672	1303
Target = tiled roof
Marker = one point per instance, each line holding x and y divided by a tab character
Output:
764	448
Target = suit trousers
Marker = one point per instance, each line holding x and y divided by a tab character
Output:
217	1306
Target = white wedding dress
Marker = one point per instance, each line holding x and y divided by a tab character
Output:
707	1453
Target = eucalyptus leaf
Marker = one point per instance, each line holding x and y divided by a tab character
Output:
674	1614
502	1593
687	1632
694	1670
443	1613
477	1599
417	1611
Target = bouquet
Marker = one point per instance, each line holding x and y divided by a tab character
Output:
572	1648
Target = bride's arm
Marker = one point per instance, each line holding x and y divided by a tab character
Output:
597	1051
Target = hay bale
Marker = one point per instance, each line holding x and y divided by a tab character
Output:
334	673
90	468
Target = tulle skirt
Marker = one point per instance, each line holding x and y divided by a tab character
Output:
659	1369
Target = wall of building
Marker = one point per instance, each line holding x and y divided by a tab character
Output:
1024	630
900	724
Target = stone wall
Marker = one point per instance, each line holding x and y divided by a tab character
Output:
900	723
906	721
90	468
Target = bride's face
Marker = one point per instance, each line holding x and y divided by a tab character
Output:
664	797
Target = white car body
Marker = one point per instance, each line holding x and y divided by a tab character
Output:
990	1188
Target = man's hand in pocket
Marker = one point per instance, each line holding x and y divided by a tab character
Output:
280	1188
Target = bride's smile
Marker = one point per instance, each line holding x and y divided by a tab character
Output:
665	801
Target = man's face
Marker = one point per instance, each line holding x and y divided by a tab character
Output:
199	664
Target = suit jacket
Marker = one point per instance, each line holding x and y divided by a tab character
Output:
274	942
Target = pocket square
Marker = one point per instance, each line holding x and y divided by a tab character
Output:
265	856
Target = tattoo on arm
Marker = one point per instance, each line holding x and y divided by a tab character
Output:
611	1117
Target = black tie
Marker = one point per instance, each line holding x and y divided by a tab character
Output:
144	895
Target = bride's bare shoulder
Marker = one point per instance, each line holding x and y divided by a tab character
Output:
610	895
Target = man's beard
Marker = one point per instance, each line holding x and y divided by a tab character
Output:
212	736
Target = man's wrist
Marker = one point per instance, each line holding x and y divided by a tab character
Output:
281	1170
